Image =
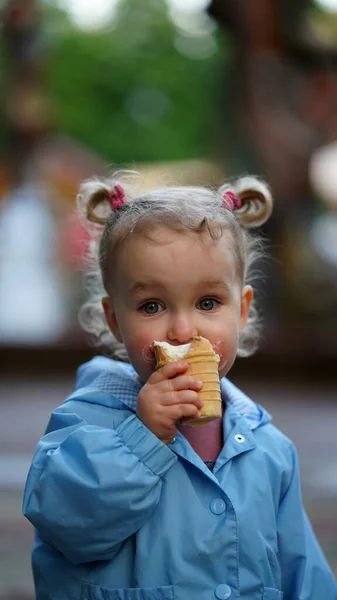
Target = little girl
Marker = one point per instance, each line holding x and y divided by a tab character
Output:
128	504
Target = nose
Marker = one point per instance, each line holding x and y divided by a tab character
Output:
181	330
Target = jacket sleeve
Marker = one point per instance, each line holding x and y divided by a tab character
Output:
89	488
305	572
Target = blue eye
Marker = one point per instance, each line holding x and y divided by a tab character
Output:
152	307
208	304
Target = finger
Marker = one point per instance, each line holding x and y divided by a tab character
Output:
183	382
182	397
180	411
168	371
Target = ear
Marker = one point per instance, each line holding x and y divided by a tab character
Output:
110	316
247	296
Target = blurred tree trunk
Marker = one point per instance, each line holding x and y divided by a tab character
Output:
287	91
24	102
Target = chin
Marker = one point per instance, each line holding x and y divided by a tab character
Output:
144	371
144	377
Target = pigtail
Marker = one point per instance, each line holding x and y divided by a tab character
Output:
255	201
98	198
93	202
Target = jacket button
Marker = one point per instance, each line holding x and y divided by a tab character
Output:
218	506
223	591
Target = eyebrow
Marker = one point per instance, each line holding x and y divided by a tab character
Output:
215	283
142	286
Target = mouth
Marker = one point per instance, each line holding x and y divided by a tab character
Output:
183	344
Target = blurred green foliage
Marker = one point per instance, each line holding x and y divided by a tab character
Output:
140	89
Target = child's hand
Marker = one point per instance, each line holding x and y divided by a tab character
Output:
167	397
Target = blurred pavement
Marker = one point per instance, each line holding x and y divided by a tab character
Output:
306	412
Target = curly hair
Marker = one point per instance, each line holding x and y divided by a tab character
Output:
181	208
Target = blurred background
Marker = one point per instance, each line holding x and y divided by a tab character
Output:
186	91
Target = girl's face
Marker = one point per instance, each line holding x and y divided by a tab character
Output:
172	286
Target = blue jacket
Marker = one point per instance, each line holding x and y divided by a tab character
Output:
121	516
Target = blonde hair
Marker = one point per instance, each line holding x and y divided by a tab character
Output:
182	208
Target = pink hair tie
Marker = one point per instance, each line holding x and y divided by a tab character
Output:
230	201
117	197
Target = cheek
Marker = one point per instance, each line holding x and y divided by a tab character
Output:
220	348
141	351
227	351
147	354
143	360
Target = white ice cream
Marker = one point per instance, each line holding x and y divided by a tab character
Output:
174	352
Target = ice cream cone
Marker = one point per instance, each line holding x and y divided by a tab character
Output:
203	364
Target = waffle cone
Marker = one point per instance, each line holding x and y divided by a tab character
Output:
203	365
